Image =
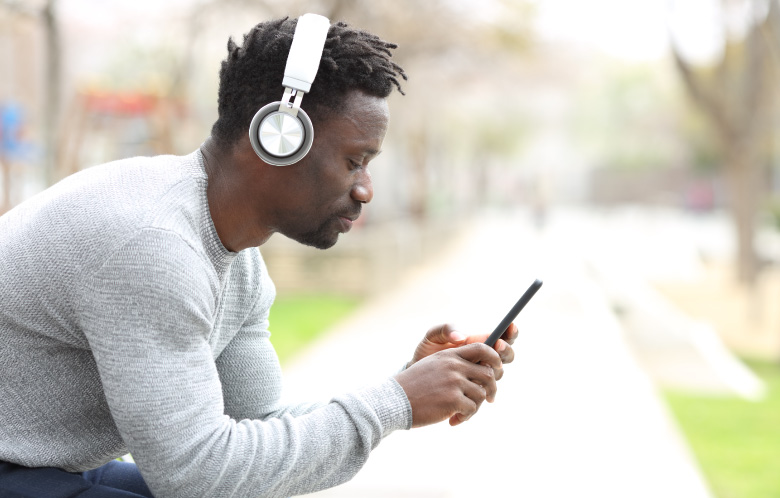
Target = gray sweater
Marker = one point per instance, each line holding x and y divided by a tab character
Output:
125	325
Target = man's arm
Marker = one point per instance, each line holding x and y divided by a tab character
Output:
249	367
148	329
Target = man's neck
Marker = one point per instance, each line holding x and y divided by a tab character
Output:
237	225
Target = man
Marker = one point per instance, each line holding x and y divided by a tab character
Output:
134	311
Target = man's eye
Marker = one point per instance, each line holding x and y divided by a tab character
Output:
354	164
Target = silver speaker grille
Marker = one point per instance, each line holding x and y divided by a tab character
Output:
281	134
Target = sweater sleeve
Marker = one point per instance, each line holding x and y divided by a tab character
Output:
249	368
147	314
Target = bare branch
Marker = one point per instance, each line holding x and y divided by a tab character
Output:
712	105
770	31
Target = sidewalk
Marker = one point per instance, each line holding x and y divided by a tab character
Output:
575	416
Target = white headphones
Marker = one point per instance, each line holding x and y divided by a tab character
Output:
281	132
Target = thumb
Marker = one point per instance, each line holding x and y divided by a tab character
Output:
443	334
437	339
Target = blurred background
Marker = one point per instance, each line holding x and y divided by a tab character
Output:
643	135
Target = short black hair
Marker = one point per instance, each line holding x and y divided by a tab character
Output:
251	75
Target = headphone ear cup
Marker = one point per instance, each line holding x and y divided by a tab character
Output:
279	138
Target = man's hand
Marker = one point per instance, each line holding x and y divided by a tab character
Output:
450	384
442	337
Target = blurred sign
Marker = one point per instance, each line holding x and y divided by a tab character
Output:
11	126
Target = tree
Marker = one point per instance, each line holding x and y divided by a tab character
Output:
737	96
45	13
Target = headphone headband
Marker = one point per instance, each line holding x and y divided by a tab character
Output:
305	52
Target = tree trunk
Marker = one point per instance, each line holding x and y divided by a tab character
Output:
743	181
52	105
418	180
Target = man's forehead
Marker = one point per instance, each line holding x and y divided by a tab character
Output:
363	115
360	102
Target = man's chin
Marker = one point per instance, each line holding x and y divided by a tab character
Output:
321	244
317	240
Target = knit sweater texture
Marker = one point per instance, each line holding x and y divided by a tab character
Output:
126	325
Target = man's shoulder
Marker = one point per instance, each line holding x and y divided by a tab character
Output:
119	188
138	178
163	192
164	200
102	207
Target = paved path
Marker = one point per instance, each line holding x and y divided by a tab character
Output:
575	415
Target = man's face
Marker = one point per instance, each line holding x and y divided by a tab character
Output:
322	195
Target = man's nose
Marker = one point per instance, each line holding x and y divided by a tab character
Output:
363	189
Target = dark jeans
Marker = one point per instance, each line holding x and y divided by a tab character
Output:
112	480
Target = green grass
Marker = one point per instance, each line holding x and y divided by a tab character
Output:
736	442
297	320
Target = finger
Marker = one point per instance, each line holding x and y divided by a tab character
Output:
505	351
498	373
472	339
483	376
479	353
510	334
466	409
443	334
477	392
456	420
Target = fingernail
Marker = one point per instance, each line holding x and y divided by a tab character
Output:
501	347
456	336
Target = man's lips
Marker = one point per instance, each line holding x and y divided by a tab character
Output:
346	224
347	221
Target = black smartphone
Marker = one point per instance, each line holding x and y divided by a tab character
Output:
501	328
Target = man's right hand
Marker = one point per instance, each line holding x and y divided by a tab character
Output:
451	384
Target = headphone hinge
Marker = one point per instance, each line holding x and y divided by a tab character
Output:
291	108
